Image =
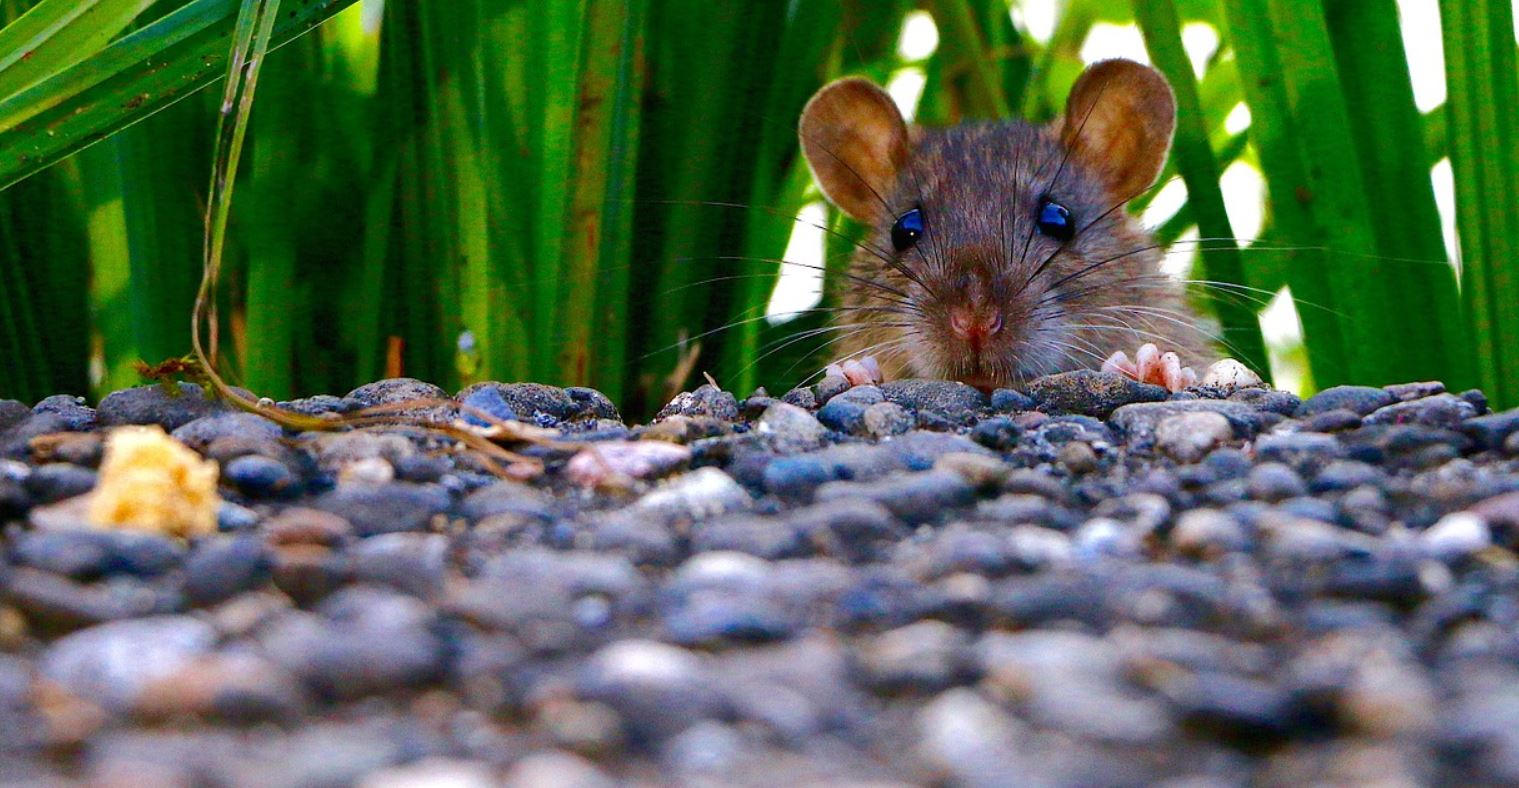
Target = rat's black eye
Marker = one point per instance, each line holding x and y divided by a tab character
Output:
907	230
1055	221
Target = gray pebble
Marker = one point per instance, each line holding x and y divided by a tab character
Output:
1139	422
531	402
1187	437
386	508
202	432
790	429
924	657
1492	430
1441	410
71	411
260	477
220	568
706	400
1091	393
914	497
950	398
153	405
1010	401
1274	481
57	481
885	419
1359	399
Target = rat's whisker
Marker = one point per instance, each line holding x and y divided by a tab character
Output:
746	259
846	329
824	330
876	348
757	318
1159	338
861	245
1170	316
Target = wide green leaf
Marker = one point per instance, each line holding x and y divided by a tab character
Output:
131	79
57	33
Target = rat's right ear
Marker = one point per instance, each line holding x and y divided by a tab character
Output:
1118	123
855	142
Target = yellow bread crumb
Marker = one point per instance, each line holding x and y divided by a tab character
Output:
151	482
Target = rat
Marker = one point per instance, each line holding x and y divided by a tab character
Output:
1001	251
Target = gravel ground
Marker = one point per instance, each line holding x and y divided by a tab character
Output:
1088	583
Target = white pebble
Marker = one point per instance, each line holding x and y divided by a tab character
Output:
367	470
1457	534
702	493
603	463
1227	373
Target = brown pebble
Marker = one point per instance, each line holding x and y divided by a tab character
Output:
590	729
79	448
235	687
1078	457
307	573
978	470
1030	419
302	526
67	719
13	629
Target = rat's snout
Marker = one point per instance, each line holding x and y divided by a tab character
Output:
975	325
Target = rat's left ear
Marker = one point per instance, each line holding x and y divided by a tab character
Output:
1118	124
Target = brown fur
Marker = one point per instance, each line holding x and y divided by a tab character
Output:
979	187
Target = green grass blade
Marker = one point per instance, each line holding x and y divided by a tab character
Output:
56	33
143	248
1389	137
30	375
1220	259
553	56
1483	136
136	76
363	312
1275	133
691	154
97	177
777	182
1336	194
598	242
964	50
276	174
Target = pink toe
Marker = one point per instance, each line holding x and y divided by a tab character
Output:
1147	360
872	368
856	373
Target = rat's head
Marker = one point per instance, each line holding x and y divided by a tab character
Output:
994	246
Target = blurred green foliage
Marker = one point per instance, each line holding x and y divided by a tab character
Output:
600	192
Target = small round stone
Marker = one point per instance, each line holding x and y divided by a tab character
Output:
885	419
1078	457
1457	535
259	476
1187	437
1274	481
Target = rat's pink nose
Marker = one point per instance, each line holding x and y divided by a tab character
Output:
973	326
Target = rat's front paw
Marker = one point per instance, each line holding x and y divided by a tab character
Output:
1152	366
859	372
